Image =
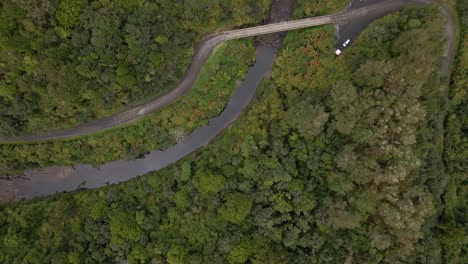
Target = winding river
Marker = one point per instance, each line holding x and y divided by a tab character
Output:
48	181
60	179
37	183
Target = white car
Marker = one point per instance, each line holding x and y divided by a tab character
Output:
338	52
346	43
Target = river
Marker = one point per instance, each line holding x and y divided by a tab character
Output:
59	179
43	182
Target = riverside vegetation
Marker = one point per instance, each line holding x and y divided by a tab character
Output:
206	100
334	163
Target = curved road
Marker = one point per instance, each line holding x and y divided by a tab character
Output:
201	55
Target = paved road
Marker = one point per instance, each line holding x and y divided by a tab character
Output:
200	57
352	29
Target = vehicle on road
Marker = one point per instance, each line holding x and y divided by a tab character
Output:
346	43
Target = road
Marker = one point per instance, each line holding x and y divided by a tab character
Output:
201	55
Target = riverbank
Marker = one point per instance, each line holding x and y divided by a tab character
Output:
84	176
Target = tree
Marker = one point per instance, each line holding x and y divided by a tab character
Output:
176	255
208	183
124	227
236	208
241	252
308	118
68	12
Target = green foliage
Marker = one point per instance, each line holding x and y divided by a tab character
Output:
307	118
209	183
161	39
236	208
207	99
241	252
124	227
129	5
68	12
306	8
186	171
176	255
451	229
7	91
180	199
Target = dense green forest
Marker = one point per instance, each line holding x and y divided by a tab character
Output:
452	228
66	62
218	78
333	163
306	8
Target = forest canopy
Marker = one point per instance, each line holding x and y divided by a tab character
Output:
66	62
358	184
